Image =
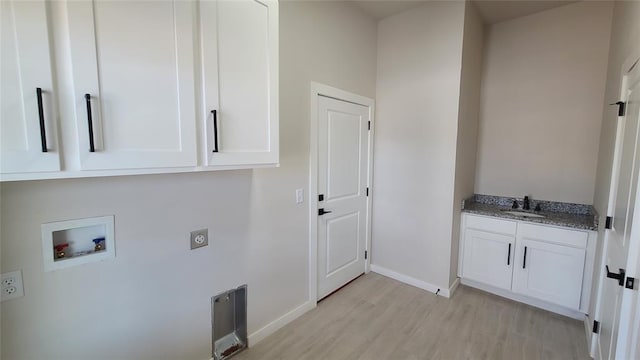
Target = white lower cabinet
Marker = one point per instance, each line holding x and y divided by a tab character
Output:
488	257
538	264
549	272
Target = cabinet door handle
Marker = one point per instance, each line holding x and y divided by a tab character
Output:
43	130
92	147
524	258
215	130
509	255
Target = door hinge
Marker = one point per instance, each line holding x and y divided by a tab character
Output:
621	107
367	191
630	283
321	197
369	125
596	326
365	254
608	222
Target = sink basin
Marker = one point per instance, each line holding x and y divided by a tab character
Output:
523	214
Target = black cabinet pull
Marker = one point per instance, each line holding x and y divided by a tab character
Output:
43	130
92	147
524	259
509	255
215	130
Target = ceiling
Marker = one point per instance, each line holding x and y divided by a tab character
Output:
379	9
496	11
492	11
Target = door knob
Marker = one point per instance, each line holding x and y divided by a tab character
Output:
618	276
323	211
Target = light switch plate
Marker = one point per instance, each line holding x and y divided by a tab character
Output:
199	238
299	196
11	285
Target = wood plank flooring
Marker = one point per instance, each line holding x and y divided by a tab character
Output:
379	318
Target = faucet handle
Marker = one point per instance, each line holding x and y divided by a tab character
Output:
515	204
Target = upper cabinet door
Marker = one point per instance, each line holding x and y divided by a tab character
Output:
240	81
28	126
133	80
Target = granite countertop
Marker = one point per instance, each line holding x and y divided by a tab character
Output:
577	216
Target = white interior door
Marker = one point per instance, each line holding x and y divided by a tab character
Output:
621	209
628	340
343	143
628	344
28	141
133	72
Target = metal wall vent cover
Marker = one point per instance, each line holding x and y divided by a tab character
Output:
229	322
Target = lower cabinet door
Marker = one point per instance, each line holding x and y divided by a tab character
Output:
488	258
549	272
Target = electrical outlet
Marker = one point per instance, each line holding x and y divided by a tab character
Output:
11	285
199	238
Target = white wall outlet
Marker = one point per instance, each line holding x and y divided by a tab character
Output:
11	285
299	196
199	238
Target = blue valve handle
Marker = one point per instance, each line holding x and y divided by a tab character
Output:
97	240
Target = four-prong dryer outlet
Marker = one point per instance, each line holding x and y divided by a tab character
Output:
199	238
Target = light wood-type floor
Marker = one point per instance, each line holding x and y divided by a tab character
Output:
379	318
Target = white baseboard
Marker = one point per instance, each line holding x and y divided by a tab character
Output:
446	292
277	324
527	300
453	287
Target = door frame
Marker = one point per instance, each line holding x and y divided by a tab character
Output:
317	90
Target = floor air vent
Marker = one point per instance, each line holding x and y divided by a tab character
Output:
229	322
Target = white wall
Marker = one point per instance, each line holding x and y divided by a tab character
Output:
542	96
418	87
469	110
153	300
332	43
625	40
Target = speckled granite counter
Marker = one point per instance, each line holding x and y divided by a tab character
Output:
577	216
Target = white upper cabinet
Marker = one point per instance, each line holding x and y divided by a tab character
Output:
133	82
140	87
239	40
28	126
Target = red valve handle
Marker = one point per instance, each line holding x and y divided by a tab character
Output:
61	247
